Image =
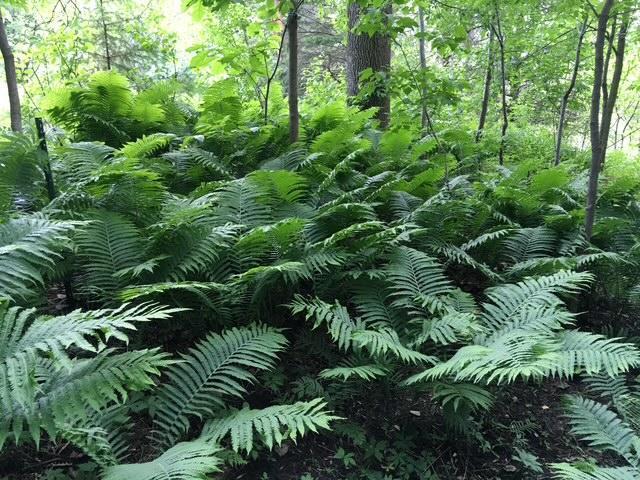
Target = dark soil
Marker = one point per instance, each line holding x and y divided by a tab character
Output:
528	417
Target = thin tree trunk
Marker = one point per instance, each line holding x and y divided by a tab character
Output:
423	65
609	106
294	114
15	111
503	76
626	124
607	61
486	96
567	94
273	73
368	52
594	123
106	37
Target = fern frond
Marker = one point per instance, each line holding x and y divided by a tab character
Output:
591	353
379	343
216	368
528	243
595	423
146	146
184	461
347	371
339	323
508	300
458	394
274	424
564	471
90	385
29	248
450	328
106	247
417	280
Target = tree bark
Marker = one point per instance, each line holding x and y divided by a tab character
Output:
594	122
503	77
567	94
607	60
294	114
609	106
368	52
15	111
486	96
105	36
423	64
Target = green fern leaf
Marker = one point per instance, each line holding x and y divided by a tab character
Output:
216	368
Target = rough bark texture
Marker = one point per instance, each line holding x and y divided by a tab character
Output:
594	121
363	52
12	79
294	115
567	93
487	88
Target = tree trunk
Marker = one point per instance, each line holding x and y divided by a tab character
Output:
607	61
12	79
503	77
609	106
594	122
567	94
486	96
368	52
627	123
294	114
105	36
423	65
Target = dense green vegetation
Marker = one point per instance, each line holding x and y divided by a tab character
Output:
206	273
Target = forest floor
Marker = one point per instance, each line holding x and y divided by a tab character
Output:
525	417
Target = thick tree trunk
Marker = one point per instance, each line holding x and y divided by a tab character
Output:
567	94
368	52
594	123
12	79
486	96
423	64
609	106
294	114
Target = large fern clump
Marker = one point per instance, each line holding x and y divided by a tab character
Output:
354	271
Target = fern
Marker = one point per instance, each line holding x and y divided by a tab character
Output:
347	371
107	247
42	386
216	368
184	461
29	248
564	471
379	343
596	424
529	243
524	338
339	323
417	281
274	424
